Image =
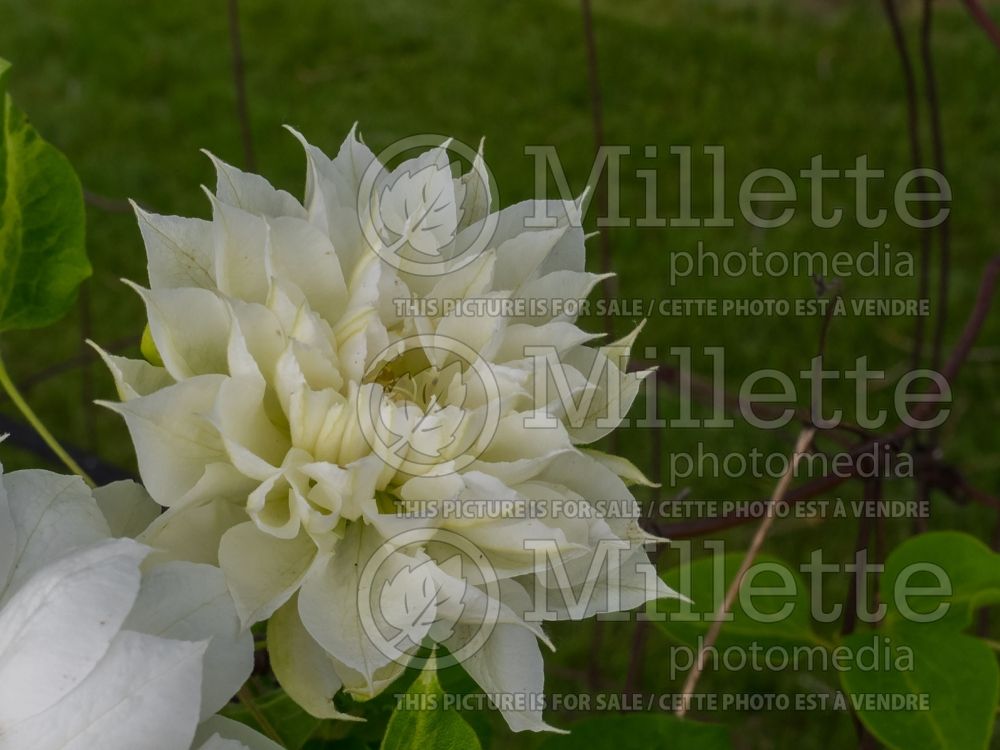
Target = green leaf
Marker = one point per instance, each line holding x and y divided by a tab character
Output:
42	255
424	722
755	619
956	673
641	732
293	725
971	572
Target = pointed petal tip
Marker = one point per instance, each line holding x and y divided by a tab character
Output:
137	288
114	406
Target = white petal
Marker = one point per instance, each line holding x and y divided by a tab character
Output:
127	507
220	733
240	242
558	285
179	250
60	624
254	445
174	441
216	742
8	541
134	377
560	335
144	693
339	629
519	257
473	192
300	253
262	571
251	192
510	663
363	687
303	668
559	219
617	583
190	328
332	195
191	530
51	514
188	602
628	471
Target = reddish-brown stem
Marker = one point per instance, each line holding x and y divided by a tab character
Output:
240	85
979	14
597	123
777	497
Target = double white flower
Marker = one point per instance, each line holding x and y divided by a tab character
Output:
95	652
289	427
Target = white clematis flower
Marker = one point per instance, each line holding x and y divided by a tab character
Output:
94	651
318	383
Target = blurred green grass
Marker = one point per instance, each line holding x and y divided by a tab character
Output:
131	93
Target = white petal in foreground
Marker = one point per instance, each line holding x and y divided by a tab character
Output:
8	540
143	694
220	733
189	602
127	508
61	623
51	514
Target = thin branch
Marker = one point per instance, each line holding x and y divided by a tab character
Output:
913	129
594	677
984	300
84	358
891	442
8	385
640	635
87	372
777	497
104	203
979	14
240	86
597	121
937	154
828	319
246	697
852	603
706	390
866	525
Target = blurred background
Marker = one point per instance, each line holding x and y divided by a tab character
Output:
131	92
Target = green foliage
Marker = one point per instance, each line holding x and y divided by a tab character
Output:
42	255
427	723
641	732
954	680
293	725
973	574
957	674
705	582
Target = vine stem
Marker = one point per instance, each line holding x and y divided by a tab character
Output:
801	446
247	699
15	396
